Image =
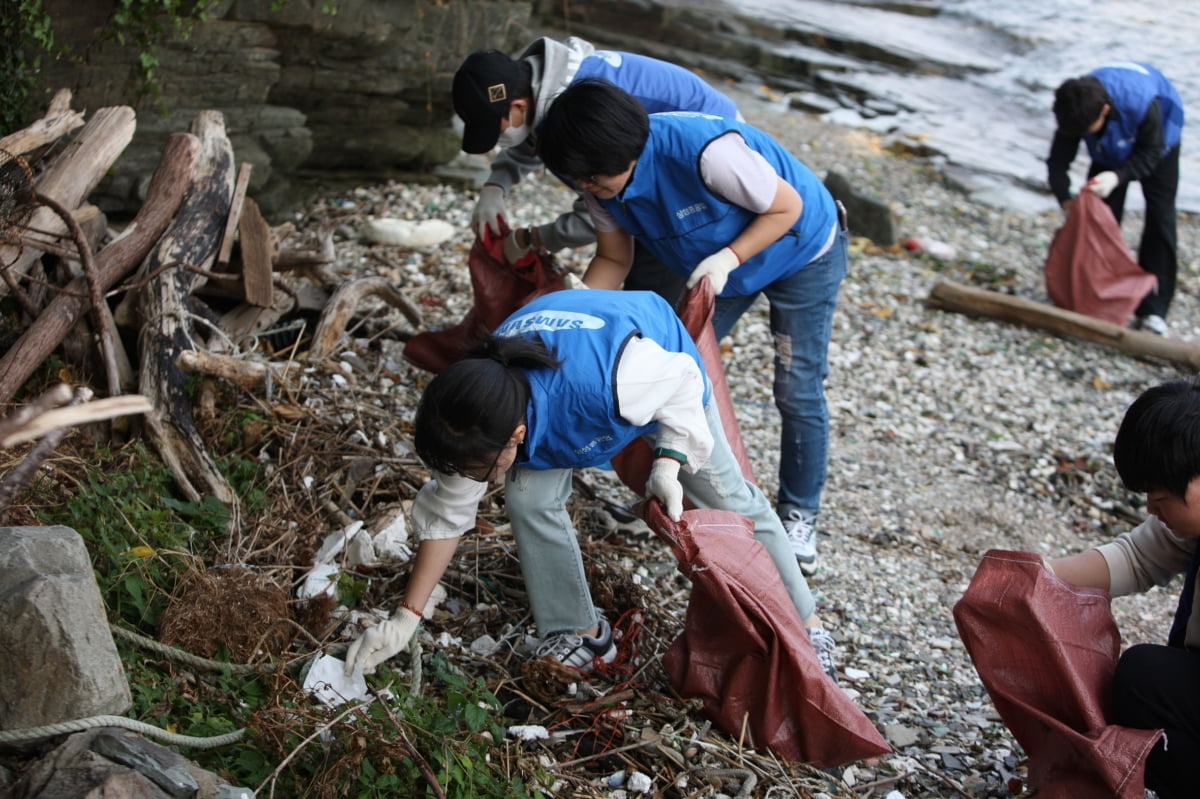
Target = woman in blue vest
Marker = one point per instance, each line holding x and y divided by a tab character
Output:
714	197
1131	119
1157	451
565	383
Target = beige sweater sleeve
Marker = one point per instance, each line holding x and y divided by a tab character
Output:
1146	556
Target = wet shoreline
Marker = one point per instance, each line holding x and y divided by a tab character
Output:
969	80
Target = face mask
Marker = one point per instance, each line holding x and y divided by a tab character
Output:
513	136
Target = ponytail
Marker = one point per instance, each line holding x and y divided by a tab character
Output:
469	411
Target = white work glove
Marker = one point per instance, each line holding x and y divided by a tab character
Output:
573	282
513	252
382	641
1102	184
489	210
717	266
664	485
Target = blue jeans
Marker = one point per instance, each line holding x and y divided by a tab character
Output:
548	547
802	308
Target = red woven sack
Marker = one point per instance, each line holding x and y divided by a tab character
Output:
744	650
632	464
1089	269
1046	651
499	289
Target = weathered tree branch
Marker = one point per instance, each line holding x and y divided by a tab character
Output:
246	375
332	324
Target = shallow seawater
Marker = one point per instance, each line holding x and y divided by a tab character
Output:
975	79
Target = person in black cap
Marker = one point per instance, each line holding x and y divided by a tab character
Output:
501	100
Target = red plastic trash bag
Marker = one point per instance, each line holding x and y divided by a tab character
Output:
744	650
632	464
1046	651
1089	269
499	289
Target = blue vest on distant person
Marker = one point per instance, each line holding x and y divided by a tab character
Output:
667	207
573	417
1132	87
657	85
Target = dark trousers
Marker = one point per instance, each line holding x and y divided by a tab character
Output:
650	274
1156	253
1158	687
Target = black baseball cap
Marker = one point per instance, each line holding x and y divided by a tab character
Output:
484	86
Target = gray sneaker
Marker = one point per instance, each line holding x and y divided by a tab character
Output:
803	535
580	651
823	644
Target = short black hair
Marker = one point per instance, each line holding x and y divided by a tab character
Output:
593	128
1158	443
469	411
1078	103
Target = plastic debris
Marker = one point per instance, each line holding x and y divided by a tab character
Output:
528	732
327	681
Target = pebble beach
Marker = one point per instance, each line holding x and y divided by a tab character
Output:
951	435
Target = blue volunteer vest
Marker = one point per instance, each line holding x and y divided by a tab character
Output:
573	418
657	85
1132	87
667	207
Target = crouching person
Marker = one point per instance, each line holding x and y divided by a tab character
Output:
567	382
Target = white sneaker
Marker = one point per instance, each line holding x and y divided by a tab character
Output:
1154	323
803	536
824	646
578	650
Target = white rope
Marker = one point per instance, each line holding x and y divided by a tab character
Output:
77	725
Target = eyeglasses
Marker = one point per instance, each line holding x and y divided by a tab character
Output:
590	180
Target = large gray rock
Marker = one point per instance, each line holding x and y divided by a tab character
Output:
111	762
868	216
60	659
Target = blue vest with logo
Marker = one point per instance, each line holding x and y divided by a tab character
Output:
667	207
573	417
1132	87
657	85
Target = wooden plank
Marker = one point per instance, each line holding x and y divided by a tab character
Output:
255	237
235	213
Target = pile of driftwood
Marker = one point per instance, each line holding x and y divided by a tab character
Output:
196	274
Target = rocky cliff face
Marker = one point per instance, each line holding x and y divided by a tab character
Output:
309	98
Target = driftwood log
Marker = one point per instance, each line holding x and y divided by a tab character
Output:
58	121
950	296
70	178
167	328
55	321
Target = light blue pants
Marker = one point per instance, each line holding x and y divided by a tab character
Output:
549	549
